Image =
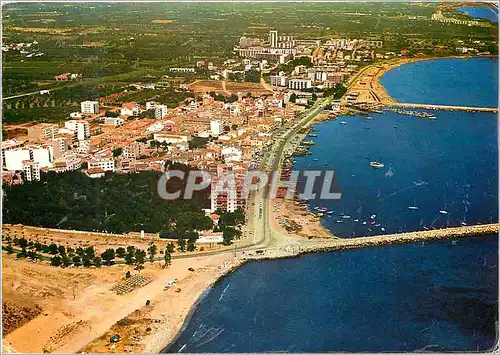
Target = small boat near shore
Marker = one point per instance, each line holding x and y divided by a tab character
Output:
414	208
443	212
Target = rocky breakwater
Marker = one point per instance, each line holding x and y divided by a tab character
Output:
374	241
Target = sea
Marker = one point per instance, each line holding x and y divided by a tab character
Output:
480	12
431	296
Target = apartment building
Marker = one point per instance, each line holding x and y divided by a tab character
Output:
80	128
31	170
42	131
106	164
89	107
299	84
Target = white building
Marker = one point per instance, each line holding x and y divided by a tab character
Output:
31	170
130	109
170	138
91	107
83	147
216	127
80	128
106	164
273	39
299	84
43	156
14	158
278	80
113	121
160	111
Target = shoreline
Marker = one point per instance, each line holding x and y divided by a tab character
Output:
195	305
338	245
388	66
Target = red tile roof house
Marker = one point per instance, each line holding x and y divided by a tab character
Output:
62	77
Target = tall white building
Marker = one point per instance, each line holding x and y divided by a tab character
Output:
14	158
278	80
273	39
299	84
43	156
216	127
91	107
160	111
31	170
81	128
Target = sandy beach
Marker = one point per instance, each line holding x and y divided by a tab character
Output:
78	311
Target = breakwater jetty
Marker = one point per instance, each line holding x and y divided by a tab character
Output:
443	107
373	241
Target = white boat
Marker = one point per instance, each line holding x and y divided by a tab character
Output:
463	223
373	216
443	212
376	165
364	223
413	208
343	122
346	217
338	221
382	229
378	225
356	220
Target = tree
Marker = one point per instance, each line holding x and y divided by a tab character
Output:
23	243
228	234
191	246
129	256
182	244
8	248
167	257
120	252
61	249
140	256
77	260
53	249
152	250
97	261
108	255
38	246
170	248
111	114
66	260
293	98
56	261
117	152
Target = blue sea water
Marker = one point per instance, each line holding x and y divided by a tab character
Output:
434	297
449	163
480	12
456	82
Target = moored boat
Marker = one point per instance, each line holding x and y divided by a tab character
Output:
376	164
